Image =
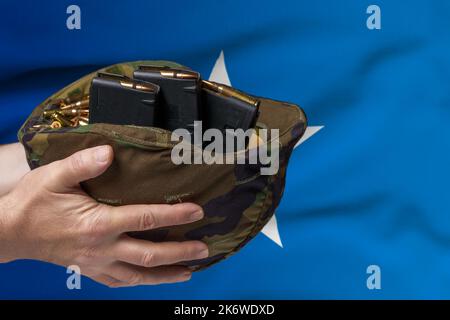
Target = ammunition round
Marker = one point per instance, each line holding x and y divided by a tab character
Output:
55	125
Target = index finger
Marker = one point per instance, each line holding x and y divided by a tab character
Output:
145	217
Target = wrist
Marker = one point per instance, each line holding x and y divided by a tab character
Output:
13	166
8	245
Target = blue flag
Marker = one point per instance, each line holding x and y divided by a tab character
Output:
366	210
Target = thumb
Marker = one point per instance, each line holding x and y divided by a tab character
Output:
80	166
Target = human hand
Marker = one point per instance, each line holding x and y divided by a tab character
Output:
48	217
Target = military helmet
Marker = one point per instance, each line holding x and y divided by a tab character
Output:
237	199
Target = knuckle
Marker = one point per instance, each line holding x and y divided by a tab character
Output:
95	228
88	254
188	253
76	162
148	259
135	278
148	220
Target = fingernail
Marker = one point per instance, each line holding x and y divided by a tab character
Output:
202	253
102	154
197	215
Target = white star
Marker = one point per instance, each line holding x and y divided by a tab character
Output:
219	74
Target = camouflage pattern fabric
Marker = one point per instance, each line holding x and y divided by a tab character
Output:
237	200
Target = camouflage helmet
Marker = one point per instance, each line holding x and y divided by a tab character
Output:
237	199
